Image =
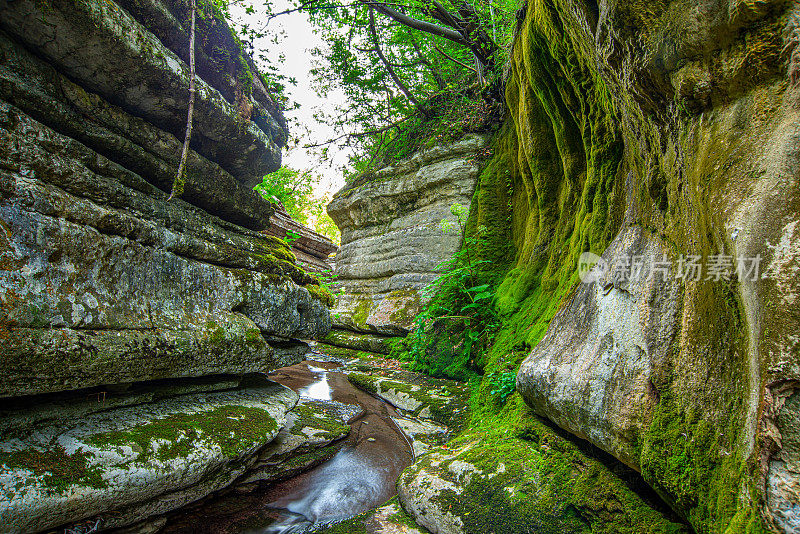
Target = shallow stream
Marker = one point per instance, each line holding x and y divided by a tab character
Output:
359	477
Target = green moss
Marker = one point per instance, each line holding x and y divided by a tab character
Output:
536	481
361	312
443	401
321	294
234	429
358	524
364	382
360	342
58	469
554	188
407	306
320	417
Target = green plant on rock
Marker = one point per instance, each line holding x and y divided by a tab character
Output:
291	237
504	384
460	321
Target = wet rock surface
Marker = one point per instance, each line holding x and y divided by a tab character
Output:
136	331
156	450
340	457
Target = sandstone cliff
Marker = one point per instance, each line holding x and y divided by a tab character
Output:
393	242
664	132
132	329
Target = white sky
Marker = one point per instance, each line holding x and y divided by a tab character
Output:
296	42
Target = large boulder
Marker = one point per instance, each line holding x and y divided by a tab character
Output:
534	481
674	128
157	449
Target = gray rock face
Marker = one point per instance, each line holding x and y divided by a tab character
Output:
392	242
108	52
118	466
690	381
127	321
106	282
311	248
602	347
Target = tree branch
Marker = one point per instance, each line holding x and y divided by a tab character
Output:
437	77
398	82
417	24
454	60
359	135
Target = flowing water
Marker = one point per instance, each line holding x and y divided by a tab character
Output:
359	477
345	486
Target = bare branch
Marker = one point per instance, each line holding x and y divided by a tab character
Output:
417	24
454	60
180	179
398	82
359	135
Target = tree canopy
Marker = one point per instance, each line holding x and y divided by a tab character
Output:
295	191
399	64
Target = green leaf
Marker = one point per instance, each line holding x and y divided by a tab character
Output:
478	288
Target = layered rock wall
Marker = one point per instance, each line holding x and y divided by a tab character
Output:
133	328
662	134
312	250
393	243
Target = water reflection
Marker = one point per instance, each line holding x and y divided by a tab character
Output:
320	389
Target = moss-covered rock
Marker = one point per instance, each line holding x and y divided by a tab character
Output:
664	130
313	433
523	479
359	342
443	401
389	518
122	465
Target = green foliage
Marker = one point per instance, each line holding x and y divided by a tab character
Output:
460	321
294	190
291	188
291	237
322	222
503	384
453	114
448	99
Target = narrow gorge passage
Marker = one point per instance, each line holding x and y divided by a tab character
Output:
359	477
549	251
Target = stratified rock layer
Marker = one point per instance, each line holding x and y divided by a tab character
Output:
311	249
135	330
165	450
393	241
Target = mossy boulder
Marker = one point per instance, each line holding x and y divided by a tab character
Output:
359	342
440	400
527	479
123	465
312	434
